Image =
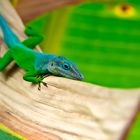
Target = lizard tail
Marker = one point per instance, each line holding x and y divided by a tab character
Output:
9	36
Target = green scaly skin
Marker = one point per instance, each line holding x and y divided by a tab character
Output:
36	64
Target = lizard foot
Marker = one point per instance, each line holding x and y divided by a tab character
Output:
45	84
39	85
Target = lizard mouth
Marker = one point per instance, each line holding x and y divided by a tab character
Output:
75	76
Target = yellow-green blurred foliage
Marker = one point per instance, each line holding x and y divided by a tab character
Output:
102	39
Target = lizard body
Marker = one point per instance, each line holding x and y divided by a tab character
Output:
36	64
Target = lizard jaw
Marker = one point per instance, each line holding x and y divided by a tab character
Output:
75	75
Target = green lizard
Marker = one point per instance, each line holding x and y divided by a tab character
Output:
36	64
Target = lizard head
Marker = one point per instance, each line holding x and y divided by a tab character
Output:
63	67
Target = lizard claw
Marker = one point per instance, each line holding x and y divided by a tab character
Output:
39	85
45	84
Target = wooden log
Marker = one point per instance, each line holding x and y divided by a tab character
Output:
67	109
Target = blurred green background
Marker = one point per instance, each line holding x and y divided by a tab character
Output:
7	136
102	39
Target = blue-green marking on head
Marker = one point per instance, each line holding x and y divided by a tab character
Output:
61	66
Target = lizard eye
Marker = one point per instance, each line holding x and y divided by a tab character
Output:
66	66
52	63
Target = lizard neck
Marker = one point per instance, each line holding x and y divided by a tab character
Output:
43	61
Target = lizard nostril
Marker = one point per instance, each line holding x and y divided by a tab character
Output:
80	76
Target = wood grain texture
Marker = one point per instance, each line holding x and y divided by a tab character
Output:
67	109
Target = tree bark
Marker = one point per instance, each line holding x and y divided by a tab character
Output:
67	109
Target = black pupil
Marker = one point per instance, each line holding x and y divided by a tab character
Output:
66	66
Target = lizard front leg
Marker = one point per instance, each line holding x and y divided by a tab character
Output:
5	60
35	78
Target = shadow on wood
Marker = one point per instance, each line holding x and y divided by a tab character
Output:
67	109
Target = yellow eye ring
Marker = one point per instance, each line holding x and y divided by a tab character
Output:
124	11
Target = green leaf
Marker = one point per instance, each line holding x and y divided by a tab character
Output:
6	136
104	44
